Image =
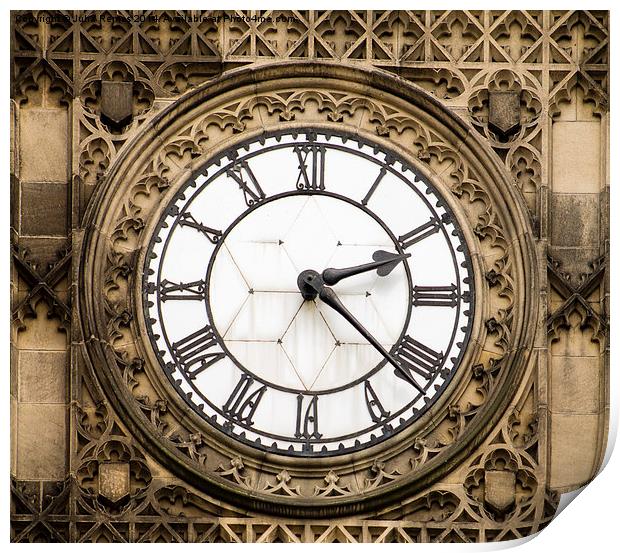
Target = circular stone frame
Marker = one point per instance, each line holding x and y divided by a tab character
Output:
242	104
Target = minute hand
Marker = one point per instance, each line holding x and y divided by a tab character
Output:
384	262
330	298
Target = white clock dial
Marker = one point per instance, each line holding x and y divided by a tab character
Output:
289	371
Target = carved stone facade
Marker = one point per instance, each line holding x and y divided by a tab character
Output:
505	111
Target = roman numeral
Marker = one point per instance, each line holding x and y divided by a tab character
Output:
374	186
243	175
187	220
415	357
311	177
441	296
419	233
307	421
191	291
376	410
195	352
243	402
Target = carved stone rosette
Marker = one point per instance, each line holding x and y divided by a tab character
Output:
242	104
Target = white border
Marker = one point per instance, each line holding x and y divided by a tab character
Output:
591	521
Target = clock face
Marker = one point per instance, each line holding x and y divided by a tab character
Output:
349	362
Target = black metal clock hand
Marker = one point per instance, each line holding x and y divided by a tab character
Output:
328	296
311	285
384	262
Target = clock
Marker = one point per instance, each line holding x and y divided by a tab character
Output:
308	293
308	303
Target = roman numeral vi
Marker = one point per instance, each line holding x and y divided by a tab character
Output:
307	421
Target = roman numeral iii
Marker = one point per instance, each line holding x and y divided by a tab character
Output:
440	296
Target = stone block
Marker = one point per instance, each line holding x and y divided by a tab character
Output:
14	199
12	141
41	333
43	251
574	219
576	156
43	149
13	366
575	342
13	461
575	261
158	471
43	209
42	376
586	109
41	441
575	385
555	300
567	111
86	193
574	450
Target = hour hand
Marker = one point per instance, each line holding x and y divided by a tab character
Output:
384	262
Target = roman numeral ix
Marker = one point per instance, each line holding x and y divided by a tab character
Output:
191	291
